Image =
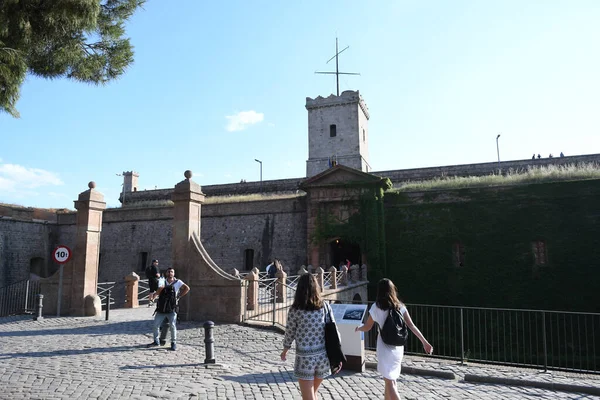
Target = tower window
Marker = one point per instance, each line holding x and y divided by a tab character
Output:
143	260
458	254
539	252
364	140
248	259
332	130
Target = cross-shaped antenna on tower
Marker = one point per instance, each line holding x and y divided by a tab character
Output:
337	70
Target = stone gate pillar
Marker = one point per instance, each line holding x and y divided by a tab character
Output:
90	205
187	198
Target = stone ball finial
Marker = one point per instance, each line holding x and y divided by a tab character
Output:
188	174
92	185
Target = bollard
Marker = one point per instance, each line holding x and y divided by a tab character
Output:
209	342
39	307
107	304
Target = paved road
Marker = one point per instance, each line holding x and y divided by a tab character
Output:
89	358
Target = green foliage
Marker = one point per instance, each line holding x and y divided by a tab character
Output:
364	227
77	39
497	227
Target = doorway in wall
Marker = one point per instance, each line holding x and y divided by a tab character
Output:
341	250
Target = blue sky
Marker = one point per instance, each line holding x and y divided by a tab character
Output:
217	84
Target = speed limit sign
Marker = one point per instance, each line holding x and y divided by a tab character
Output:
62	254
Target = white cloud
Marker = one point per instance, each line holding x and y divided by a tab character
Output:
16	178
243	119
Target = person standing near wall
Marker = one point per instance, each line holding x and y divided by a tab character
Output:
153	275
167	307
389	358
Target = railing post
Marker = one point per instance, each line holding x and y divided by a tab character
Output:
40	306
320	278
131	290
107	304
333	272
281	286
274	299
363	273
302	270
462	338
354	273
245	302
252	292
209	342
26	295
344	280
544	338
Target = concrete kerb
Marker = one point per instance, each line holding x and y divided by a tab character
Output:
419	371
562	387
473	378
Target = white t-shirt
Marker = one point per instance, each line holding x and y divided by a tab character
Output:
176	285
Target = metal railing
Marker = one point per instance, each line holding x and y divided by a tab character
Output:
19	298
143	291
102	291
556	340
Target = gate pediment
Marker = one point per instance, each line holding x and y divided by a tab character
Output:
340	176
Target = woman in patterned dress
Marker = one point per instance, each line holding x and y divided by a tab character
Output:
306	325
389	358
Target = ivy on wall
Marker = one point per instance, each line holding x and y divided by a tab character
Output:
499	230
365	226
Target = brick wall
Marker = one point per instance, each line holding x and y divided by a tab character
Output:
21	241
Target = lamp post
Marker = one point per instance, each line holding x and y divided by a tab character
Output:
260	162
498	150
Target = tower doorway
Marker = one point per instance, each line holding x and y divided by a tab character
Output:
340	251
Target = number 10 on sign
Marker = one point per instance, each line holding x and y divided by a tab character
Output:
62	254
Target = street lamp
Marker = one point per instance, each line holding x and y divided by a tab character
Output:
498	150
260	162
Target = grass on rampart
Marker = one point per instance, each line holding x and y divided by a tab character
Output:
251	197
216	200
541	174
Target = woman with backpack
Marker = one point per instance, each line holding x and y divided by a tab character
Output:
306	325
389	357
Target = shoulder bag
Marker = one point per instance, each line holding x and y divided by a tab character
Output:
333	343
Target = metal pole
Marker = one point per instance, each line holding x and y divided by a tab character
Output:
107	304
274	299
60	285
498	150
26	295
545	345
261	176
40	306
209	342
260	162
337	70
245	284
462	338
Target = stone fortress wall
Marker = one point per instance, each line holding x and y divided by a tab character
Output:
132	236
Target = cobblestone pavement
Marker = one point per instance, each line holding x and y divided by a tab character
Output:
89	358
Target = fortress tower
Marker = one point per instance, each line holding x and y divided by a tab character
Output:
338	132
130	181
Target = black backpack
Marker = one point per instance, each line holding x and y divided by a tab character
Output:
273	271
394	330
167	299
